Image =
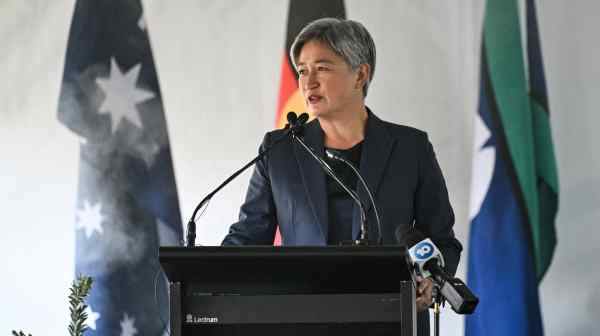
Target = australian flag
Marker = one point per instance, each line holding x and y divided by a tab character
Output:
127	203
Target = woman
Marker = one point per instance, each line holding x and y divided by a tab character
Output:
335	62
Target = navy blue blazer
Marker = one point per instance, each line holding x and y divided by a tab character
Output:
288	189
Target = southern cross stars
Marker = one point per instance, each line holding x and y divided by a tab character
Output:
90	218
92	317
128	326
122	95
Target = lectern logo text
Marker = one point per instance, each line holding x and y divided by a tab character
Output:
189	318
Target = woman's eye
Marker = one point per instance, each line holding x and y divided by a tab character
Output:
322	68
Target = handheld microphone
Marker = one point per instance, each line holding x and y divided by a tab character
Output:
429	262
420	250
454	290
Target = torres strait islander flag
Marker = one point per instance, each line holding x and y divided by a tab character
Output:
514	196
300	13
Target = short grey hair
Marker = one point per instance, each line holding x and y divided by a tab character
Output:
347	38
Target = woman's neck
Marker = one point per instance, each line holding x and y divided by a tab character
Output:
345	130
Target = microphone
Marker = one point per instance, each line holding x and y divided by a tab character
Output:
421	250
296	123
294	126
292	119
364	183
454	290
429	262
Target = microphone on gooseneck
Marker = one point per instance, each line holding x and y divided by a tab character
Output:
296	123
302	119
292	118
427	259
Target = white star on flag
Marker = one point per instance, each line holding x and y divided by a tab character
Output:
90	218
127	326
148	152
122	95
483	167
92	316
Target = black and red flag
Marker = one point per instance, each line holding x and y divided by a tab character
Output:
300	13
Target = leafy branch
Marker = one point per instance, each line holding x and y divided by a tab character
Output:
79	291
20	333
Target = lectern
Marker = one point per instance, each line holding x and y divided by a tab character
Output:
264	290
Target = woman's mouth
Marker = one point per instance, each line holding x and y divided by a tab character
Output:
314	99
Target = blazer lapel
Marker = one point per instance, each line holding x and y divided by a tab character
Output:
376	150
313	176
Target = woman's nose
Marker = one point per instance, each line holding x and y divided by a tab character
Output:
310	81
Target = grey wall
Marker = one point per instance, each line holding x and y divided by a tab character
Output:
218	63
570	293
38	170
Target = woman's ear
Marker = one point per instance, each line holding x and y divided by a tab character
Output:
363	71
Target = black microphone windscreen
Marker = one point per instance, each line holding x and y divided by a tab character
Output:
303	118
409	236
292	118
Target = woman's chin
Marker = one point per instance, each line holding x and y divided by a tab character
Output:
316	111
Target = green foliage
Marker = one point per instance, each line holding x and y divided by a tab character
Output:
79	291
20	333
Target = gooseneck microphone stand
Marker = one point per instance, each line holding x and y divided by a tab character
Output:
366	186
191	227
296	129
364	235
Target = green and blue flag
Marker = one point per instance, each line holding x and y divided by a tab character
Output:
515	184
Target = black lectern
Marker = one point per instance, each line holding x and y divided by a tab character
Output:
264	290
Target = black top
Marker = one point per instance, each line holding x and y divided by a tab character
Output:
340	204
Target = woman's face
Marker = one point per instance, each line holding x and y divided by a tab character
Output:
328	85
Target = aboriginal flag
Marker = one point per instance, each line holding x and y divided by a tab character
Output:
300	13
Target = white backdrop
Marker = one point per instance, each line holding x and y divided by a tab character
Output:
218	64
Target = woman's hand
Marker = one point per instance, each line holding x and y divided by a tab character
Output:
424	293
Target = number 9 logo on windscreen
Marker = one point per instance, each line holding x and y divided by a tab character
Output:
424	250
